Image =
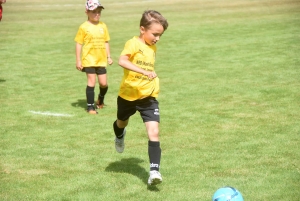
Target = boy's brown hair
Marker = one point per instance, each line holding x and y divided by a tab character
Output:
152	16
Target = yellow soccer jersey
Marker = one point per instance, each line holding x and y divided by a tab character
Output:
93	38
135	86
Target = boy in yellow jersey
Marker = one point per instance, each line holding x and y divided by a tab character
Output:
93	53
140	87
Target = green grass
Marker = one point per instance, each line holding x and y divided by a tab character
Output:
229	102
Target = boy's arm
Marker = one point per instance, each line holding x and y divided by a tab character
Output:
107	47
78	56
125	63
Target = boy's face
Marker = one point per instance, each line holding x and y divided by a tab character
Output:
152	34
94	15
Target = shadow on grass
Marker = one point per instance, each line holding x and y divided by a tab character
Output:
1	80
80	103
131	166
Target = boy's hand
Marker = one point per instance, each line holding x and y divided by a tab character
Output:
150	75
110	61
79	66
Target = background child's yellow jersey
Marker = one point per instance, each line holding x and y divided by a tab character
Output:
134	85
93	38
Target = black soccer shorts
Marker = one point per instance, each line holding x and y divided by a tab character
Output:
94	70
148	108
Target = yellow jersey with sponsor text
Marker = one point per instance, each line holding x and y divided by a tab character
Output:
93	38
135	86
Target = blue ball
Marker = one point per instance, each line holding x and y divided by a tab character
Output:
227	194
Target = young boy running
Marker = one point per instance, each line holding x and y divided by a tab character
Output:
140	87
93	53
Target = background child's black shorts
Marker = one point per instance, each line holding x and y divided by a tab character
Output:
94	70
148	108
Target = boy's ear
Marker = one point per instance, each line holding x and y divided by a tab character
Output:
142	29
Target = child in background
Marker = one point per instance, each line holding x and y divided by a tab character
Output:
1	9
93	53
140	87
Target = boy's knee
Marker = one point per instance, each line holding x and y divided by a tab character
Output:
154	132
122	124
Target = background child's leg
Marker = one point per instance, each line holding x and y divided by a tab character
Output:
102	93
90	94
103	87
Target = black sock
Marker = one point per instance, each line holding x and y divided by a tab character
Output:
102	94
90	95
118	131
154	153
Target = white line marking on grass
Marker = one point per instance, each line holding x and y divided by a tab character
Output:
50	114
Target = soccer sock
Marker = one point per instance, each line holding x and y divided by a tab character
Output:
102	94
154	153
90	95
118	131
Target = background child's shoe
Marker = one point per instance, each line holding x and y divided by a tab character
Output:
91	110
99	105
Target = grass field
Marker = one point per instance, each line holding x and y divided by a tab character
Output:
229	103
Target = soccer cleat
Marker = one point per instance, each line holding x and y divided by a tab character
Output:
98	105
154	178
91	110
119	143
